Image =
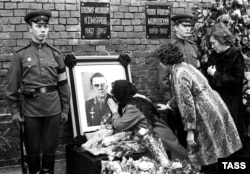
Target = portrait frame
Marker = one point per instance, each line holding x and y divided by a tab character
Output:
79	76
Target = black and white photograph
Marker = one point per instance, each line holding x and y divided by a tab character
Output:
124	86
91	82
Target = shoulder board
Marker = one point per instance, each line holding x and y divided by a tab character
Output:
53	48
23	48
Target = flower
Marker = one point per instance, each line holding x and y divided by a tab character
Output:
176	165
142	132
232	14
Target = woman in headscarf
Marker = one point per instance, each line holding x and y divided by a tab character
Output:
134	111
211	131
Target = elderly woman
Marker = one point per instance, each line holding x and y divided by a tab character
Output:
211	132
135	111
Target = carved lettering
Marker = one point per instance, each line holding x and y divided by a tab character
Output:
151	11
89	31
87	9
95	20
101	30
163	30
102	10
153	30
163	12
158	21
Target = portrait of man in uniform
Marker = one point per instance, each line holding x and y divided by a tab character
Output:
97	109
91	83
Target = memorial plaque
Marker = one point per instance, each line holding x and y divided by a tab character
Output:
95	20
158	21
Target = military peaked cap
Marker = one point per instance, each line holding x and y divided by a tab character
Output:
183	18
38	16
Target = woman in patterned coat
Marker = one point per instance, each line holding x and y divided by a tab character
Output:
211	132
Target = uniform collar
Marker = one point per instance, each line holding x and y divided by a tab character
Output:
37	45
179	39
96	99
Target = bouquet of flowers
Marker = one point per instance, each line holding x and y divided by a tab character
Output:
155	146
130	166
121	147
114	145
233	13
146	165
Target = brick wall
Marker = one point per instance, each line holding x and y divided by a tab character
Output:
128	36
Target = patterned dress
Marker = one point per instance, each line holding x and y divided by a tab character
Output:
204	112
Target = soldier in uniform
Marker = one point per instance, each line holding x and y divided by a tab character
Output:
97	109
37	72
182	27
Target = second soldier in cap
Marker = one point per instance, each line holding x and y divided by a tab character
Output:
38	72
182	28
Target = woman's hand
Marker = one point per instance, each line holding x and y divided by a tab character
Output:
162	107
112	105
211	70
190	138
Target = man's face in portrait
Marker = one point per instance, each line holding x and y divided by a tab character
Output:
100	87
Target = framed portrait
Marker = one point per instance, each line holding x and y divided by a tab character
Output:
90	83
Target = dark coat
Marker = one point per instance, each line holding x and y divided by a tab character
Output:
228	78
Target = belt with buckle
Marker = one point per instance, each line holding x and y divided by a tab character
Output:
46	89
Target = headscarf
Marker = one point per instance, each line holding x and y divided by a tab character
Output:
124	92
123	89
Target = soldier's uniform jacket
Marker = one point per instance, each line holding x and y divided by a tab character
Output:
95	112
40	67
189	50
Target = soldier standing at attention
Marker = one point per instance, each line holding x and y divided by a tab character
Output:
37	71
182	27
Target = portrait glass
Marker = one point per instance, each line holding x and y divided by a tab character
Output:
90	82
